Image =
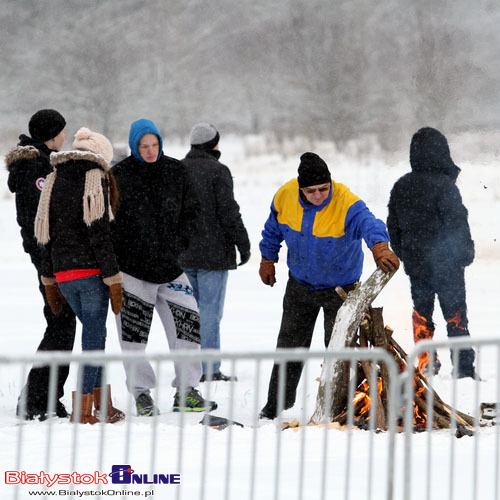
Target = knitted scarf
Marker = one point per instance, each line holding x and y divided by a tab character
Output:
93	203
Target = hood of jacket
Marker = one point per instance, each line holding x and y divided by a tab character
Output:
137	130
27	149
28	155
429	152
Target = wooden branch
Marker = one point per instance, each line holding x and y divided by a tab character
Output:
347	322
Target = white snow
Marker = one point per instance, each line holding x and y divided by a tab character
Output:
251	322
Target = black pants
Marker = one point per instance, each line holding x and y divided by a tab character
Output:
59	335
300	311
449	286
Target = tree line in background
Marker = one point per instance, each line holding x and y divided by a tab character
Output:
323	69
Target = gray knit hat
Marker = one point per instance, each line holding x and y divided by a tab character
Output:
204	136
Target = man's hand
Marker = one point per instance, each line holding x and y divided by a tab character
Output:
385	258
267	272
55	298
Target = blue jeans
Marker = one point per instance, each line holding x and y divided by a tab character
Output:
209	289
89	298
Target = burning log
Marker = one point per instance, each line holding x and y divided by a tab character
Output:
373	333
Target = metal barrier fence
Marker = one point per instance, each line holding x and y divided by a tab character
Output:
171	456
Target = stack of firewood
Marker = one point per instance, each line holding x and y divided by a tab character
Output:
373	333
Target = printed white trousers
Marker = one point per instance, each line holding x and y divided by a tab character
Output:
176	306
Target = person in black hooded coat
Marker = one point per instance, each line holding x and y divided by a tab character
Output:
430	233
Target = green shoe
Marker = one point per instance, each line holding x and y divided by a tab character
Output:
193	402
146	406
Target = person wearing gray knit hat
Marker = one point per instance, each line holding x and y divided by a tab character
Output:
204	136
211	251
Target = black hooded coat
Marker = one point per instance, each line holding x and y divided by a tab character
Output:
427	220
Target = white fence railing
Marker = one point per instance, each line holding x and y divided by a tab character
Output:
172	456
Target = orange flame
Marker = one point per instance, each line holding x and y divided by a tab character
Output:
421	331
456	321
362	398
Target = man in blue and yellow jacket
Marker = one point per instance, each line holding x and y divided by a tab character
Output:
323	224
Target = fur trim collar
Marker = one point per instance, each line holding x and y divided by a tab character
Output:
21	153
64	156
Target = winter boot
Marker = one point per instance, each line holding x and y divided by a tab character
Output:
465	367
86	403
192	401
145	405
112	414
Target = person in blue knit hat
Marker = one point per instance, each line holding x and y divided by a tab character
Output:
156	214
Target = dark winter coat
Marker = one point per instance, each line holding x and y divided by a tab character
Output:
427	220
155	216
28	165
73	244
219	227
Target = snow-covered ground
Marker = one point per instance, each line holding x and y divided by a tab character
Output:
251	321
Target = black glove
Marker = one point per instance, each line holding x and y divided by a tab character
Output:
245	257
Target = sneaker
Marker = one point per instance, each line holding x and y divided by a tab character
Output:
218	377
193	402
145	405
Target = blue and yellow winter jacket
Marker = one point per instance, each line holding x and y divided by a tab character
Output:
324	242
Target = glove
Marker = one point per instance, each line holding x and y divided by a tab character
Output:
385	258
55	298
245	257
267	272
116	297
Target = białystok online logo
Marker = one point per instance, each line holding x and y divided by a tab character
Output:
120	474
124	474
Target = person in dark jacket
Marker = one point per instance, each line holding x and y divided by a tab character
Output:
323	224
212	246
429	231
78	262
157	212
28	165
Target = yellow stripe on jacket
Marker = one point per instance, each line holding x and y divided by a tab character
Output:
329	221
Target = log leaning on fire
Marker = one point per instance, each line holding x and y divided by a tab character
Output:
346	325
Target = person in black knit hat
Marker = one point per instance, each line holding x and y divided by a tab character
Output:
323	224
28	165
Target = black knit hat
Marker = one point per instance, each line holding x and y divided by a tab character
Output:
46	124
313	171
